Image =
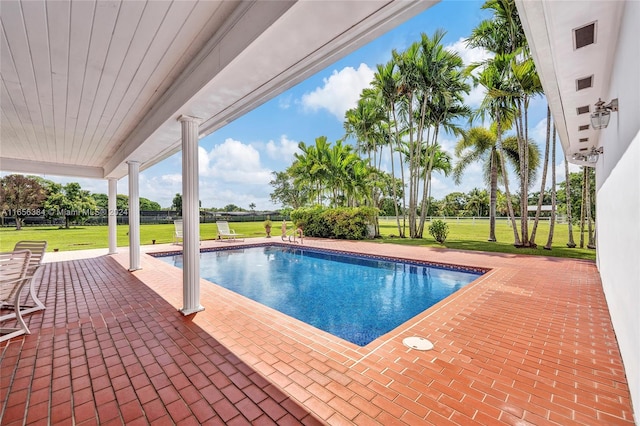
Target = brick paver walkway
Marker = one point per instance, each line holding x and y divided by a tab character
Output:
530	342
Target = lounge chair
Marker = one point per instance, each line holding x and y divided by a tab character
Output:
37	249
177	233
225	232
14	266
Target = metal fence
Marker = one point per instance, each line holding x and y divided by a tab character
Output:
148	217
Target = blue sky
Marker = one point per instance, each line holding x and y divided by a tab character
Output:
236	161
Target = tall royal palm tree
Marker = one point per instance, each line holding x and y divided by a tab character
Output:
408	64
498	106
367	124
439	161
386	84
516	83
310	168
480	144
364	123
567	188
431	87
552	223
532	239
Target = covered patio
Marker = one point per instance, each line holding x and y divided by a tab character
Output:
112	88
530	341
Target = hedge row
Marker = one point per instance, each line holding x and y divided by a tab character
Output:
348	223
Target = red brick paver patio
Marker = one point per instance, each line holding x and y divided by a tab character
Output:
530	342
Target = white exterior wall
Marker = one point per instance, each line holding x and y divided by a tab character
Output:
618	201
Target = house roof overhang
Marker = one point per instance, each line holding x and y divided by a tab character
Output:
549	27
88	85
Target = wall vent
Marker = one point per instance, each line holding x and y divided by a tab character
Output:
583	109
583	127
585	36
584	83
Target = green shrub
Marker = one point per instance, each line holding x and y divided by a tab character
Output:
311	221
341	223
439	230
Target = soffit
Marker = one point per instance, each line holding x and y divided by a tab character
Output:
549	28
88	85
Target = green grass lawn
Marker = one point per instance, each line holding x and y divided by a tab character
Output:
463	234
466	234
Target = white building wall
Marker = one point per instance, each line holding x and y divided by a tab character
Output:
618	201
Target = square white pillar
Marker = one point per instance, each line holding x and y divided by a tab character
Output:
134	216
112	215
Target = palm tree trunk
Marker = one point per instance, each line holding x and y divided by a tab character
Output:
582	206
413	170
493	194
567	189
591	242
532	240
426	186
523	149
552	223
393	182
516	237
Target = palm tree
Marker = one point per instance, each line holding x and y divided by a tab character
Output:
567	188
364	124
544	179
587	183
513	81
584	206
308	168
479	144
476	202
385	82
553	192
431	85
440	162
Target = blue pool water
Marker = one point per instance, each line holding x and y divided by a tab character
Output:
355	298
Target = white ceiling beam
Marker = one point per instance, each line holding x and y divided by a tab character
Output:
45	168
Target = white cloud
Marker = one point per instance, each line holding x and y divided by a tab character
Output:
340	91
233	161
469	55
539	134
172	179
284	101
282	150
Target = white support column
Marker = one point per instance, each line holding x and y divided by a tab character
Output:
190	217
134	216
113	219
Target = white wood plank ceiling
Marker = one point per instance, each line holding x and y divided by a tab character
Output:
88	85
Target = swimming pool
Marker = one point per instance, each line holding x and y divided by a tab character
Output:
356	298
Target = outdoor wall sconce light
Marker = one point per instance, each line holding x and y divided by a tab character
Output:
600	117
591	157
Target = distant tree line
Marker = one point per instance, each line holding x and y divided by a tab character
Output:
32	196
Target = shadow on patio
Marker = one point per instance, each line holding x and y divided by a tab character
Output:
529	342
109	350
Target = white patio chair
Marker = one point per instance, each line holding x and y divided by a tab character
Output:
14	267
177	234
37	249
225	232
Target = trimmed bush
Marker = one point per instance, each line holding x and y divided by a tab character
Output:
349	223
439	230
